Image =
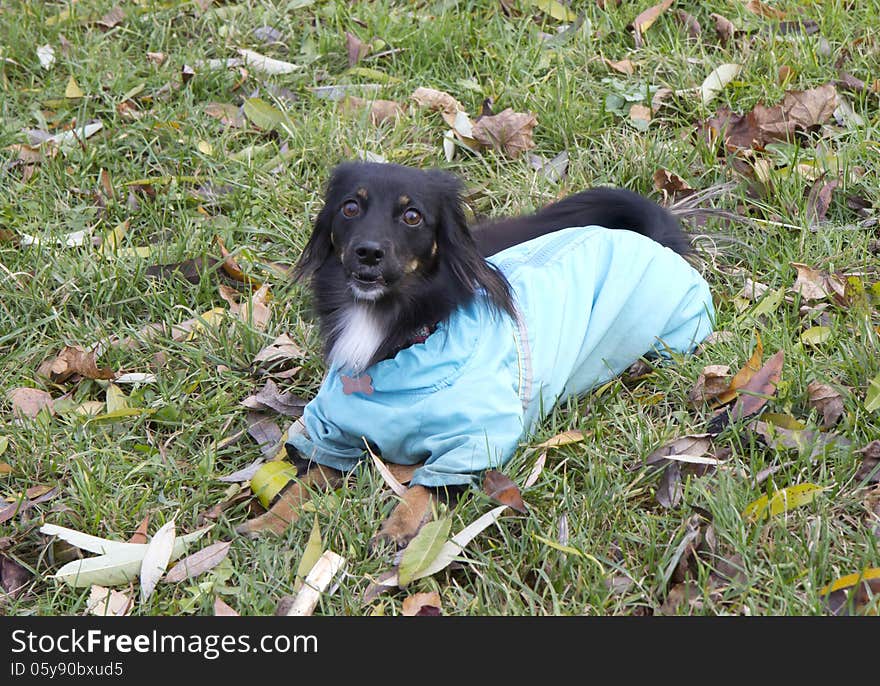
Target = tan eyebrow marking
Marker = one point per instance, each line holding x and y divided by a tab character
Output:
404	200
412	266
434	249
362	193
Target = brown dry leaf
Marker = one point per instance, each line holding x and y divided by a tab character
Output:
232	269
106	602
381	111
640	115
421	604
671	185
812	284
508	131
741	378
785	74
189	270
692	444
141	534
438	100
157	58
625	66
502	490
29	402
868	469
713	380
690	22
279	354
355	48
645	20
724	28
764	10
113	18
737	131
681	598
221	609
670	490
799	111
13	577
797	439
270	397
228	114
819	200
256	310
74	360
199	562
752	396
827	401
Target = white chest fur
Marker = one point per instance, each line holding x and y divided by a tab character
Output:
358	336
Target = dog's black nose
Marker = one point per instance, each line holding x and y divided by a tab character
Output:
369	253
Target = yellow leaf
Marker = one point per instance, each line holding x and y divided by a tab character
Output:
555	9
311	554
851	580
205	147
564	438
73	90
111	241
782	501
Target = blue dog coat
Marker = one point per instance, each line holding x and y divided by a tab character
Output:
590	301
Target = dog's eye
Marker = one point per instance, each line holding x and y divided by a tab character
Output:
350	209
412	217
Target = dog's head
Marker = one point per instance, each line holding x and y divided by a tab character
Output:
393	228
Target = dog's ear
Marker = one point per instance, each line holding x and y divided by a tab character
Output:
458	251
320	244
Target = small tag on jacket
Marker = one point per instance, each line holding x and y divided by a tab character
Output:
359	384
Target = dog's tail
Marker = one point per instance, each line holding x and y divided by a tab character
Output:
613	208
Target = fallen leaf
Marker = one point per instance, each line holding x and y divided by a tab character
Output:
74	360
267	65
155	558
640	116
423	549
421	604
742	377
555	9
724	28
501	489
311	555
815	335
868	470
72	91
46	55
449	552
508	132
533	476
806	441
380	111
564	438
228	114
813	284
14	577
141	533
105	602
256	311
690	22
671	185
221	609
113	18
199	562
764	10
262	114
438	100
29	402
717	79
819	200
270	397
157	58
827	401
782	501
646	19
752	396
625	66
355	48
398	488
670	490
712	381
799	111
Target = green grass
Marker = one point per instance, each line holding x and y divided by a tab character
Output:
112	474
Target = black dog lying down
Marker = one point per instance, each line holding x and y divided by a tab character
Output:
438	355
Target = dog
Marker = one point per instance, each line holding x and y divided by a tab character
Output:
409	297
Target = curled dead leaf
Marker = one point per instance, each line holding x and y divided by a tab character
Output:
508	132
502	490
827	401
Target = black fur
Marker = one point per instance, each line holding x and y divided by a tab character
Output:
409	277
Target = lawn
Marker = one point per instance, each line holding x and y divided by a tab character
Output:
141	133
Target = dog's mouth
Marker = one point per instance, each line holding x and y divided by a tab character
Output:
367	285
